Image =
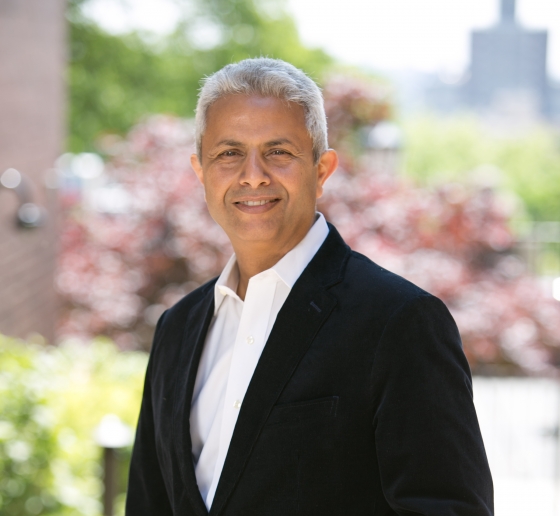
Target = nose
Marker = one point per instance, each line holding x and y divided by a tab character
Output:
254	172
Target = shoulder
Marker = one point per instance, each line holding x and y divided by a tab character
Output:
413	328
374	284
172	322
386	300
184	306
413	324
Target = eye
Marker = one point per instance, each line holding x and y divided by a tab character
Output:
229	154
278	152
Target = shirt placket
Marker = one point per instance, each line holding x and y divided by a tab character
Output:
249	344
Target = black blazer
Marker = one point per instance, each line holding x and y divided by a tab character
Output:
361	404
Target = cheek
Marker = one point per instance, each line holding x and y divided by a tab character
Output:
214	190
215	204
300	183
307	187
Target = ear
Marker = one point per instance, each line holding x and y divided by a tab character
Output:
197	167
325	169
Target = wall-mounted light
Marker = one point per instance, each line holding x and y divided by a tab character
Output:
28	214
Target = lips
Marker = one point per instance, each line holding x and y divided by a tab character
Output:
255	206
256	203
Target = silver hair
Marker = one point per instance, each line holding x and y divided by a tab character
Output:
267	78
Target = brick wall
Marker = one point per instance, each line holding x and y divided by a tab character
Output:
32	56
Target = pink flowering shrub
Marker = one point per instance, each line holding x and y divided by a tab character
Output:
350	104
455	243
118	272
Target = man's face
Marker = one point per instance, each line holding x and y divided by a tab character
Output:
257	170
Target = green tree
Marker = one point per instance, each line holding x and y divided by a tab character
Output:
116	80
463	149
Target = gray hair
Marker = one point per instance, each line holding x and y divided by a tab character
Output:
267	78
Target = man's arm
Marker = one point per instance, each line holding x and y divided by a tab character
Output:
431	455
147	495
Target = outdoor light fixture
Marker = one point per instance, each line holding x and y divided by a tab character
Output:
28	214
111	434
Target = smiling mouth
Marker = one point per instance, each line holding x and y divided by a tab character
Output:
256	203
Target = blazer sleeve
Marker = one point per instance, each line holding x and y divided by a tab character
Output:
431	455
147	494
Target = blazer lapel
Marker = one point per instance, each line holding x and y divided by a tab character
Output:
304	312
196	328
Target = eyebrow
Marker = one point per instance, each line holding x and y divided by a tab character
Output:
281	141
229	143
272	143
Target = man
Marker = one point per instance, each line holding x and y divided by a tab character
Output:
306	379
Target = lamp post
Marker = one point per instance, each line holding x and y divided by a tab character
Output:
111	434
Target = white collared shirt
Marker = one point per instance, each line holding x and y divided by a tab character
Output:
236	338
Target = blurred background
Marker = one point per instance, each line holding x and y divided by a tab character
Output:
446	116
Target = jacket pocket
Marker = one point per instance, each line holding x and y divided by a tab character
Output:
302	410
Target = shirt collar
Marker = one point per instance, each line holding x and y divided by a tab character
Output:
288	268
226	285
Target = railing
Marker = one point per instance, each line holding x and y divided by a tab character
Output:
519	419
540	249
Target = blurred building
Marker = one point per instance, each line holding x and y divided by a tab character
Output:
508	74
508	64
32	56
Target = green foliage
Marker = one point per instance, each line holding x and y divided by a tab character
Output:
51	399
461	149
532	169
116	80
27	442
113	81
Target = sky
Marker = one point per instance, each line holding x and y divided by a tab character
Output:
381	35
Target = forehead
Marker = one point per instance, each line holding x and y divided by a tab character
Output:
254	117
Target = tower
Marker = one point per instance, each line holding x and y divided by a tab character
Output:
508	62
507	9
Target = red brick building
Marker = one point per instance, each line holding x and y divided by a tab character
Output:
32	57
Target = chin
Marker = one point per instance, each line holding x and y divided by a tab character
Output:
257	232
256	236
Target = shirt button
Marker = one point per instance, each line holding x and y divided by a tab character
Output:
250	339
237	404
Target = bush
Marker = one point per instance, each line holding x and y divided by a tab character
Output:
51	400
119	271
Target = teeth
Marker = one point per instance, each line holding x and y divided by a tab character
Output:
254	203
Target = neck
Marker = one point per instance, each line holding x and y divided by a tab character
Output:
250	264
256	257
